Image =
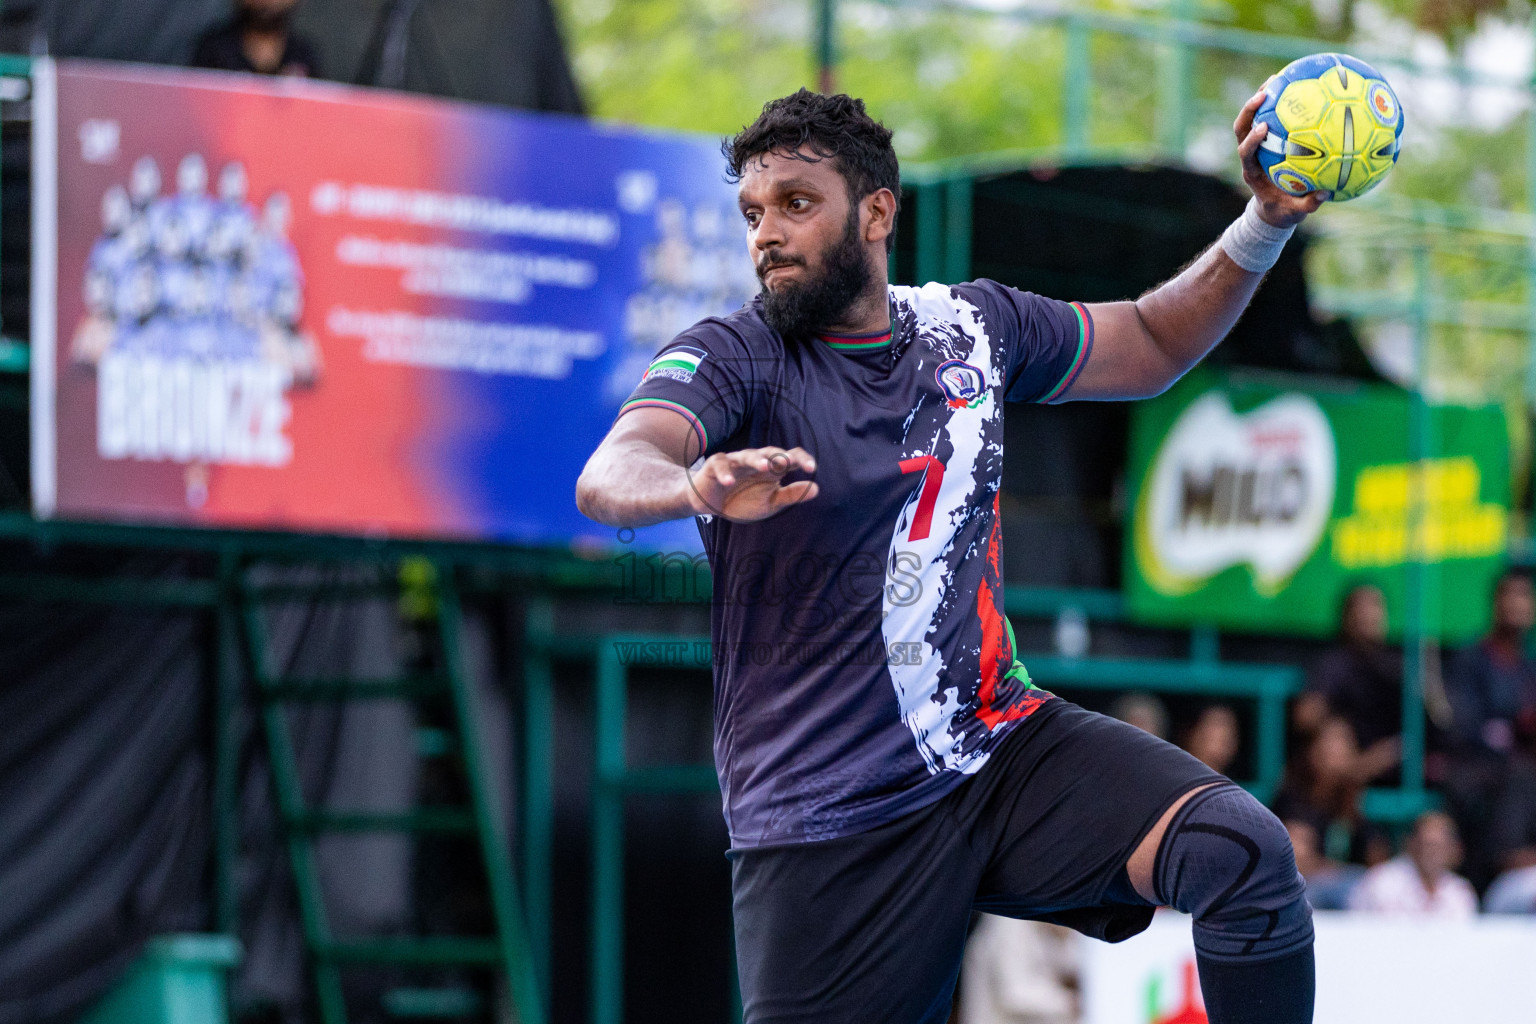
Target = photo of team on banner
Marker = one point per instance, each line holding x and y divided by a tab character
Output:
193	274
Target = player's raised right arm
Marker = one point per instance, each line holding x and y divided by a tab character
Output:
646	471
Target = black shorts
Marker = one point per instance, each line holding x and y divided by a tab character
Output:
871	927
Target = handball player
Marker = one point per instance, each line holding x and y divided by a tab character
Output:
886	765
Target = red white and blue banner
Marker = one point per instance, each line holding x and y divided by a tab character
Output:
300	306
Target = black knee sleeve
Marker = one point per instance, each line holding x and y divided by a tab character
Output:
1227	861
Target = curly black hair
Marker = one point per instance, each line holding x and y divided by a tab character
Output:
836	127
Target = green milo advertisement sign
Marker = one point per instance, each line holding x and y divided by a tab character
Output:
1258	499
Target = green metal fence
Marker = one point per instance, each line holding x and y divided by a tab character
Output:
613	656
614	779
1415	241
1439	258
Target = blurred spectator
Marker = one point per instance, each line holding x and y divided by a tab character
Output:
1322	788
1492	689
1019	972
1329	883
1360	680
1493	683
1512	828
258	39
1214	738
1513	892
1143	710
1422	880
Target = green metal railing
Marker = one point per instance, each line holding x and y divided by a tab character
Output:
612	657
944	229
506	950
238	647
1415	229
614	779
1270	687
943	251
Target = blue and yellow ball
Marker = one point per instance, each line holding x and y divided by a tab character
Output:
1334	124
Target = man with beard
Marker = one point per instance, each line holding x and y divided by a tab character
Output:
260	40
886	765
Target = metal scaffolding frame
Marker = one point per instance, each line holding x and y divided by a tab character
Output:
1414	227
943	240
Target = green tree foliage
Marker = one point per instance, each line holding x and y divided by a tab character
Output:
950	84
694	65
956	82
953	82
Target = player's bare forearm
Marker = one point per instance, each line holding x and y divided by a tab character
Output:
638	475
630	482
1185	317
648	470
1142	347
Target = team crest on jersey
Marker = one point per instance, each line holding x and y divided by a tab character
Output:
963	384
679	364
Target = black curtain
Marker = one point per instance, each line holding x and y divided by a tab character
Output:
489	51
105	784
106	767
150	31
505	53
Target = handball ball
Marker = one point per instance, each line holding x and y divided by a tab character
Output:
1334	124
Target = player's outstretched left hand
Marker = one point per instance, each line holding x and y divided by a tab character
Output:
1276	206
747	486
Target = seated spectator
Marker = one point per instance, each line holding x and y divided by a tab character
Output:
1512	828
1512	833
1492	690
1329	883
1513	892
1019	972
258	39
1360	680
1214	738
1322	787
1143	710
1422	880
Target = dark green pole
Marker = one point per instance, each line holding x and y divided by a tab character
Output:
930	232
1174	93
517	961
539	784
607	913
826	45
226	786
1416	616
1075	89
957	230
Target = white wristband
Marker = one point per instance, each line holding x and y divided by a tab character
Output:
1253	243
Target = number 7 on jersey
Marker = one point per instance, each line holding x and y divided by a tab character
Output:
933	478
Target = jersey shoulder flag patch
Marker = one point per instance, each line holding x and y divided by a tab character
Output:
679	364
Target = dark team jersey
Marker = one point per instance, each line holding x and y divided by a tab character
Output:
863	666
